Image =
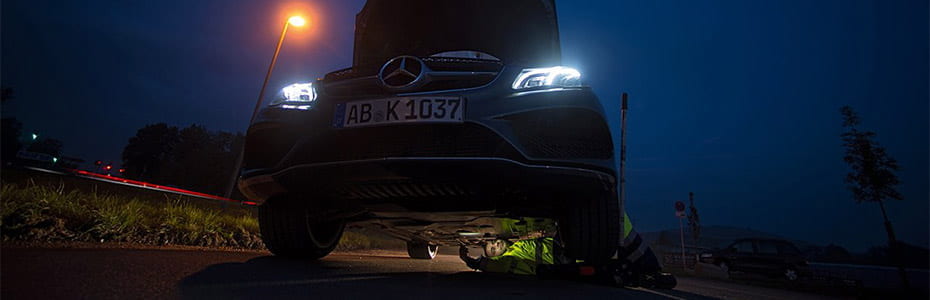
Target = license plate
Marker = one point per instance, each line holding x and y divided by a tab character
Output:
399	110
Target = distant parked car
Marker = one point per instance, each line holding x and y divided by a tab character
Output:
770	257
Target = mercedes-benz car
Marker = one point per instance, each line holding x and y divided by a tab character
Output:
456	124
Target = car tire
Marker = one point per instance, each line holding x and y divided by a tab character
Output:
725	267
590	227
287	231
665	281
421	250
791	274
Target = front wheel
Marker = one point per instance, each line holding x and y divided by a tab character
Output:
287	231
725	267
590	227
421	250
791	274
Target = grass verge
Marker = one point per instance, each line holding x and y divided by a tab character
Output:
74	210
33	212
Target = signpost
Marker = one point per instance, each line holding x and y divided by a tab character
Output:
680	213
623	109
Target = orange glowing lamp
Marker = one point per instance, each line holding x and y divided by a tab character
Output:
297	21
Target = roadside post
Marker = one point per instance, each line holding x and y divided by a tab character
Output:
623	109
680	213
297	21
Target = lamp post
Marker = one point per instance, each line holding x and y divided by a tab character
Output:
296	21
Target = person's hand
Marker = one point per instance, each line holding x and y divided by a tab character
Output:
473	263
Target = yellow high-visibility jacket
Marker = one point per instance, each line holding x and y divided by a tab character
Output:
523	256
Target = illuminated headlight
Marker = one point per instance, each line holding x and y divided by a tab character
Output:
547	77
298	93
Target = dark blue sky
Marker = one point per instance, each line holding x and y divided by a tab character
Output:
736	101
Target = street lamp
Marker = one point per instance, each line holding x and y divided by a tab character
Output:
297	21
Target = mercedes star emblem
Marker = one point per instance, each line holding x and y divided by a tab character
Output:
402	72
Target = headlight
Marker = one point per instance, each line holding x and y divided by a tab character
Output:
547	77
298	93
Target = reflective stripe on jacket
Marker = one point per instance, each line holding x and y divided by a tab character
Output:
634	247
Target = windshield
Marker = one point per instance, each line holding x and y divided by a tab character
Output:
521	32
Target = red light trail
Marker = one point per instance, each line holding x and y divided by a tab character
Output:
152	186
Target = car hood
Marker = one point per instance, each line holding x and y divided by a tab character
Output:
523	32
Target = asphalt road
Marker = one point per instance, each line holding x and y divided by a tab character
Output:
114	273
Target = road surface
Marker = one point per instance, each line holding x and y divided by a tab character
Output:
117	273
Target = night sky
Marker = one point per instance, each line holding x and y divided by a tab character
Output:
737	101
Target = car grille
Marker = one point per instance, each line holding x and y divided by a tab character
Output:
389	190
436	140
363	81
563	134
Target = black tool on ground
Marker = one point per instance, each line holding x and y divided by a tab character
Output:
614	273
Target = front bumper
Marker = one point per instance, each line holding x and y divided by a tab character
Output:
556	133
374	180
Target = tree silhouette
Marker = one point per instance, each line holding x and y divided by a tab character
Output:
145	153
220	160
198	158
193	158
873	177
10	130
6	94
694	220
187	157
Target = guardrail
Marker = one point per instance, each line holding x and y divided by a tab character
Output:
674	260
150	186
866	276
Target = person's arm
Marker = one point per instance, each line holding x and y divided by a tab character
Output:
473	263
